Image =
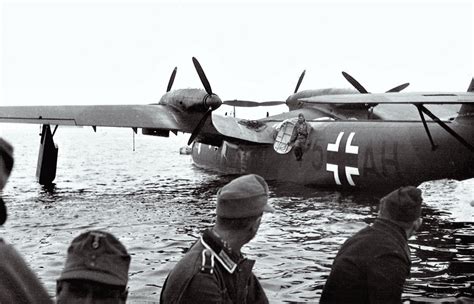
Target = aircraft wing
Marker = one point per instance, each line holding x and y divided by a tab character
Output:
394	98
135	116
417	99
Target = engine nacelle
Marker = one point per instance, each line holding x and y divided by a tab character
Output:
191	100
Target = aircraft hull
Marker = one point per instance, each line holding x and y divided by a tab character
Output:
350	154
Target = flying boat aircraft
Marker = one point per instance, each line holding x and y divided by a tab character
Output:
359	140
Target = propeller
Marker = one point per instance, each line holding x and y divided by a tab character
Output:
170	83
355	83
398	88
249	104
212	101
202	76
199	126
362	90
299	81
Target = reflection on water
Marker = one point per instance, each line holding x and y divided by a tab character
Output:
157	203
443	251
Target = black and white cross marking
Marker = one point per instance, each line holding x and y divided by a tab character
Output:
341	161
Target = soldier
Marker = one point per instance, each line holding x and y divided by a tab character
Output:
372	265
299	136
96	270
214	270
18	284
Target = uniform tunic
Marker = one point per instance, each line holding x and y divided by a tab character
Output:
187	283
370	267
18	284
300	134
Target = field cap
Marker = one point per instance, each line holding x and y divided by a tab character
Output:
97	256
403	204
245	196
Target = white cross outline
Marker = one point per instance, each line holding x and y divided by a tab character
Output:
335	147
334	168
350	149
349	172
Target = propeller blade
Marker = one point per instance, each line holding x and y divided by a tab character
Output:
170	83
202	76
355	83
399	88
249	104
299	81
199	126
271	103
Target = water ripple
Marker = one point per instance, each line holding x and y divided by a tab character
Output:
157	204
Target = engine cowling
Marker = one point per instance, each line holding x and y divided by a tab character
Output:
191	100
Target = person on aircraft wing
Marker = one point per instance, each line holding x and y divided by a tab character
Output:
214	270
18	284
372	265
300	136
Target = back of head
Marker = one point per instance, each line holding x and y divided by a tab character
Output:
6	165
402	205
96	258
243	197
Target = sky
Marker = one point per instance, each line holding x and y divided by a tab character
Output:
123	52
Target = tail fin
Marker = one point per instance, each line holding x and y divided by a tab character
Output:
467	110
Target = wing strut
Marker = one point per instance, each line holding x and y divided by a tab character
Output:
422	109
433	145
55	128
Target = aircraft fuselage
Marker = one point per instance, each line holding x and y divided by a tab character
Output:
377	154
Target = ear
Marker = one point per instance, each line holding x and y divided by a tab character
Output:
417	224
381	207
256	224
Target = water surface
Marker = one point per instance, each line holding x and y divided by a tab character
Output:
156	202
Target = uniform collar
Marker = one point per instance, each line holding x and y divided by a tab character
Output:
221	250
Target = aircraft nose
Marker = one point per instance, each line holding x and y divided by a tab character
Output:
212	101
